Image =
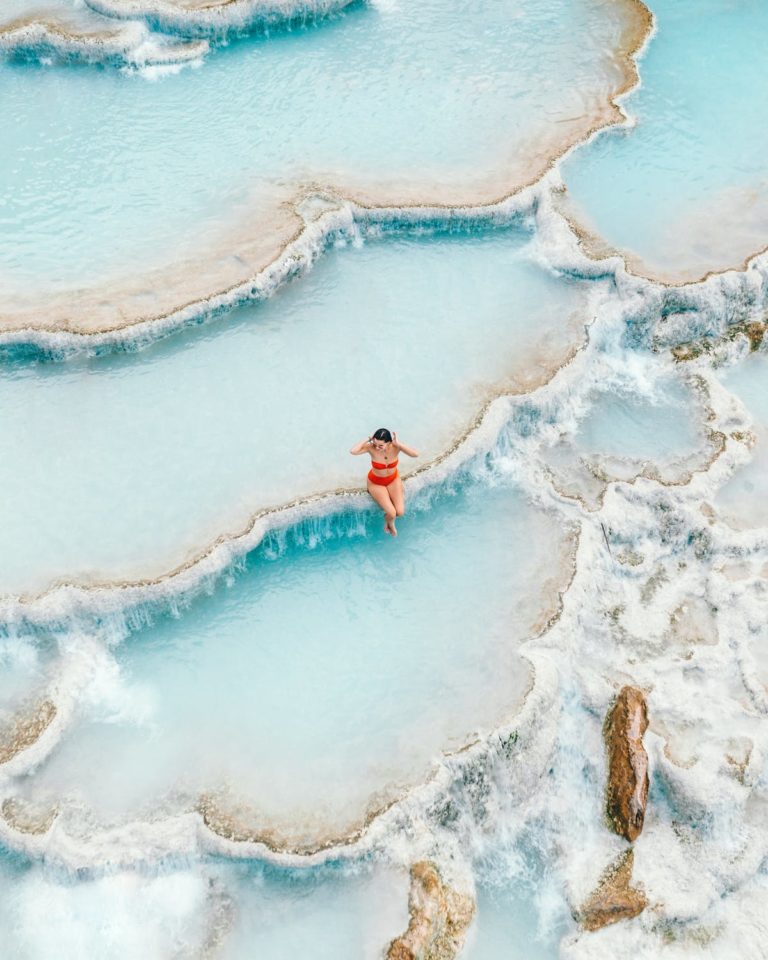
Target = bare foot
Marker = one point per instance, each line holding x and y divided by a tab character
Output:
389	526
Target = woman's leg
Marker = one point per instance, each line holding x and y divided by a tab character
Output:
397	496
381	495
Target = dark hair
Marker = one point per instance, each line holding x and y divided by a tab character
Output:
382	434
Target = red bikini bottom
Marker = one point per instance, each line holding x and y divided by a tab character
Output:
382	481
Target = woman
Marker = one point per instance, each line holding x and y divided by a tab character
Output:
384	483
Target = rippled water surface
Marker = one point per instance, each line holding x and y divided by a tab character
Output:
684	190
234	712
322	680
151	456
104	173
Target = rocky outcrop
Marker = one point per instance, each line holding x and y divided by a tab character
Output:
614	899
25	729
627	791
753	330
439	920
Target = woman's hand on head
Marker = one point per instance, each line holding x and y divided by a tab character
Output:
361	447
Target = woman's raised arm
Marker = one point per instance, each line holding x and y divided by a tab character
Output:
361	447
403	447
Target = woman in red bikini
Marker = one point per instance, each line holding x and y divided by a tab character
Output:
384	483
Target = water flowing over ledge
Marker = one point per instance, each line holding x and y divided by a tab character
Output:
132	45
299	226
63	31
144	35
320	222
307	788
271	212
681	595
523	742
627	509
162	502
667	593
218	19
524	418
647	313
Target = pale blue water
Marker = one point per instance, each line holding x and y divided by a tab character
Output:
151	456
322	914
335	666
321	679
749	381
506	926
23	675
104	174
64	11
685	189
742	500
244	910
660	427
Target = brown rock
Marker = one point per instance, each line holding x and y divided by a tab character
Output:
684	352
439	920
627	791
755	332
614	899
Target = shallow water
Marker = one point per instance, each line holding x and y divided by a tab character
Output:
506	926
684	191
631	424
321	915
294	695
318	685
23	676
658	427
228	911
106	174
151	456
742	500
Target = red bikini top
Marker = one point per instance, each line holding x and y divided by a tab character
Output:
383	466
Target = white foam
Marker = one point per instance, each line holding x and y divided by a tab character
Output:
704	836
699	857
115	917
216	19
131	45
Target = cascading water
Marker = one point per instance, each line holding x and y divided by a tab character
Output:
234	239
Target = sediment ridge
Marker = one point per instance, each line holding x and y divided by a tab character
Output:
192	290
25	729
